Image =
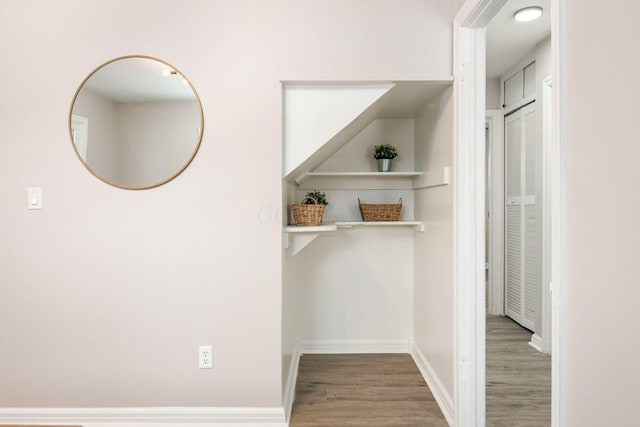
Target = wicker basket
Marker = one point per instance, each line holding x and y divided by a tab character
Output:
380	212
308	215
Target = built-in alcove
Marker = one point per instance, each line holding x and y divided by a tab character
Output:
358	287
343	166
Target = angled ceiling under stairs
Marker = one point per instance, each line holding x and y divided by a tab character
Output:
320	118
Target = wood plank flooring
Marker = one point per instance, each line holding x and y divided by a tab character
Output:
518	377
388	390
363	390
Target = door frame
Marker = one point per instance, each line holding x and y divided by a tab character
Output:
495	121
79	134
469	159
547	203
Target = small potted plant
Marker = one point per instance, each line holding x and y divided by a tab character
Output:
310	210
384	155
320	198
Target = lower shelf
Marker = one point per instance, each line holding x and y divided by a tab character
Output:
345	224
298	237
310	229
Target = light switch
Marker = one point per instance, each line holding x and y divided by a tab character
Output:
35	198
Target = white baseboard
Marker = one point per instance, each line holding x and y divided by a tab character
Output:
444	400
290	386
227	417
355	346
146	417
536	342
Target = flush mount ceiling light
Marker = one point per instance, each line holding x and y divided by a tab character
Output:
528	14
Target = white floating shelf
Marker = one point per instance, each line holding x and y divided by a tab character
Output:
376	223
371	174
407	174
359	180
416	225
298	237
310	229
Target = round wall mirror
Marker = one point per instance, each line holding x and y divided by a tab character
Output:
136	122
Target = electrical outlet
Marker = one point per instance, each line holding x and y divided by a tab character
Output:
205	357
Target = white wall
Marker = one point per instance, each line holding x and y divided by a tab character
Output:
103	277
493	94
602	204
356	285
433	250
356	155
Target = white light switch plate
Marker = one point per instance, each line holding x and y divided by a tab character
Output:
35	198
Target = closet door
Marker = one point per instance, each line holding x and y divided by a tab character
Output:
522	260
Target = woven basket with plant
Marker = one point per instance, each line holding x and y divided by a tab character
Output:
310	210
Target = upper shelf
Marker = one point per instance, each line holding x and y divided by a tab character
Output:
374	180
408	174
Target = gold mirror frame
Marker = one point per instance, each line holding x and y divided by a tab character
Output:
198	141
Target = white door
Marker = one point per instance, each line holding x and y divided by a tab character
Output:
79	133
522	231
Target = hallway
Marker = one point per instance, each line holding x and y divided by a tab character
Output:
518	377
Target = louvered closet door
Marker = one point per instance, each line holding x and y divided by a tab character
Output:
521	225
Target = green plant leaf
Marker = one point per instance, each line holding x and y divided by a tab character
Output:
320	198
384	151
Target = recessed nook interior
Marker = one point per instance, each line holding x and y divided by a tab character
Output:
352	286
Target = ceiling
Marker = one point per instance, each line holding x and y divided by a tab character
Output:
406	99
508	41
139	79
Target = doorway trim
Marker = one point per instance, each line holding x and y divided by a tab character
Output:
547	213
495	121
469	58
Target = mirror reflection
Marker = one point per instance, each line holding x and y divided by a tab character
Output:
136	122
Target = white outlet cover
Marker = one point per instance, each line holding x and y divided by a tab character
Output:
205	357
